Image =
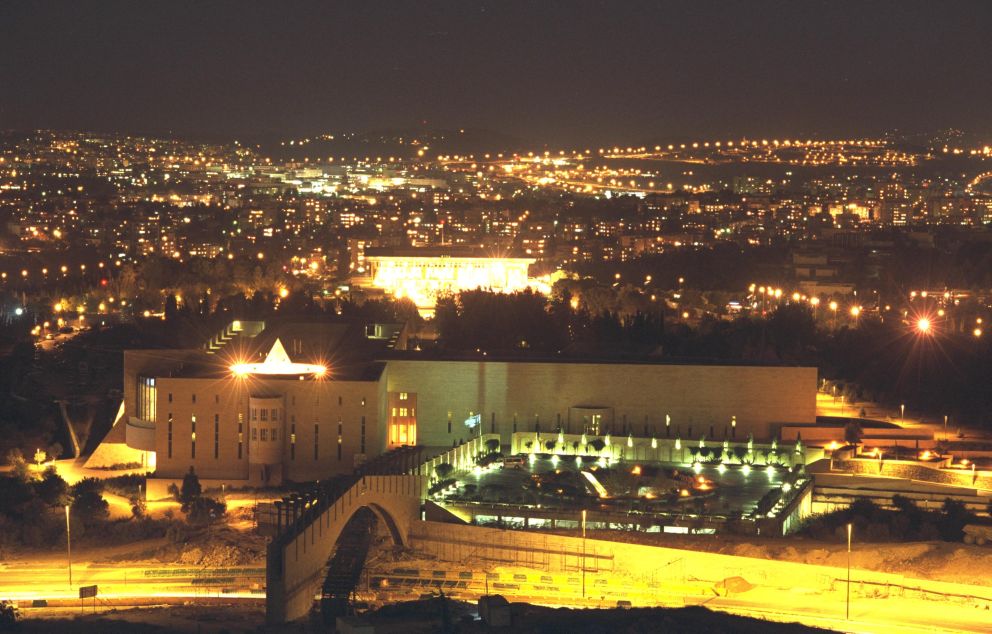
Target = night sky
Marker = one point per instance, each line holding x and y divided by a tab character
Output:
544	71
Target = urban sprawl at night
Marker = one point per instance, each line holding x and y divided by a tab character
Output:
703	347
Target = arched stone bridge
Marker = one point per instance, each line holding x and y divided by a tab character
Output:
309	526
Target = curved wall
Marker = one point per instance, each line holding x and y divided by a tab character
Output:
140	434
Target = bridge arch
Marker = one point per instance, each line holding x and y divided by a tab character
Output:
298	556
398	536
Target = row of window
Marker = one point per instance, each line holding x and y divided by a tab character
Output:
265	434
150	382
264	414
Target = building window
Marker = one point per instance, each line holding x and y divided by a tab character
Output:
339	448
170	436
192	437
147	395
254	414
275	415
404	396
241	436
265	433
363	401
339	427
194	398
340	401
170	397
265	414
216	398
292	442
273	434
316	440
216	436
254	433
363	435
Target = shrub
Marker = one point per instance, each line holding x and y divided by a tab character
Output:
127	486
204	510
442	484
8	616
493	445
443	470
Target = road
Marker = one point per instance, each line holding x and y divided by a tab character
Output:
25	581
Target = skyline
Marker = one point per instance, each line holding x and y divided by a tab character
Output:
556	73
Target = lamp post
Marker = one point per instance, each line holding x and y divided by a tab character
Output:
583	553
68	543
902	413
848	610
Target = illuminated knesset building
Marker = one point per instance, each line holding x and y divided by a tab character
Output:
424	274
264	404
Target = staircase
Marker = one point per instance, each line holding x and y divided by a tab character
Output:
231	332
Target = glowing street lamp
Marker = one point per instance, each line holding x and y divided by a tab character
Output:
923	326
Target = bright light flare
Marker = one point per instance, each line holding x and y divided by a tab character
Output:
923	326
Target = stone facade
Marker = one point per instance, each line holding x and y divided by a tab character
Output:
517	396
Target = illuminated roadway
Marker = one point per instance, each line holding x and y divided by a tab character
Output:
49	580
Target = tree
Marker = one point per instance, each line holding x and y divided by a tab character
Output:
597	444
190	491
55	451
443	470
52	489
493	445
853	432
87	501
19	466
